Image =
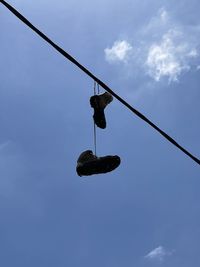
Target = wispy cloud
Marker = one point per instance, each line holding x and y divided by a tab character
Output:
158	254
120	51
158	23
164	48
164	16
3	145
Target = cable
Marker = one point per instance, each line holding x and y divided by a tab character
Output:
98	81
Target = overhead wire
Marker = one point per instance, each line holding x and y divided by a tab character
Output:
98	81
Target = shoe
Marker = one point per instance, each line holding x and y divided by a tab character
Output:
99	102
89	164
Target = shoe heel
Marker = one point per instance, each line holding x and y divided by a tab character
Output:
94	102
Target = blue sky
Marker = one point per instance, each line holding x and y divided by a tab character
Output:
146	212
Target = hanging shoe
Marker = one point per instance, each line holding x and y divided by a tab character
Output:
89	164
99	102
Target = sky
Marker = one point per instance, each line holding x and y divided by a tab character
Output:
145	213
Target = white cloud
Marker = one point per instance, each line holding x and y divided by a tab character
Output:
174	49
169	58
118	52
158	254
163	48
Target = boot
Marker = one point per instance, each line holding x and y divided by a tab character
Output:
89	164
99	102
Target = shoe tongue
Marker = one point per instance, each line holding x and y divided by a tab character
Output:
86	156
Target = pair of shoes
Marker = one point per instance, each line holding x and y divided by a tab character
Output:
99	103
89	164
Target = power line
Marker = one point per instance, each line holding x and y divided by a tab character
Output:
98	81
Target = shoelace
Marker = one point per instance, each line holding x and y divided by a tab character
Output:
96	85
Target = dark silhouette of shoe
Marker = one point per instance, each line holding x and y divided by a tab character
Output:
89	164
99	103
